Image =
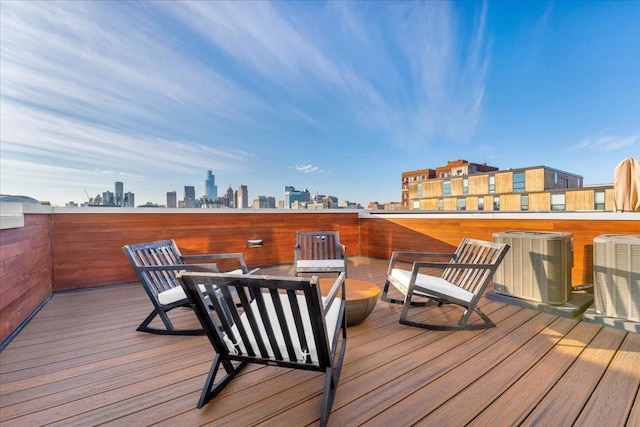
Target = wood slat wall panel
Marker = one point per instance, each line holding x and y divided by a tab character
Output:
69	251
381	236
25	271
93	242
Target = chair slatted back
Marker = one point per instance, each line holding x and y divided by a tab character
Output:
471	251
155	254
263	319
319	245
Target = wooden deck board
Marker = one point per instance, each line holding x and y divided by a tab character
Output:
578	382
556	355
611	402
81	362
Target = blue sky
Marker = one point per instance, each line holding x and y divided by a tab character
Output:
337	97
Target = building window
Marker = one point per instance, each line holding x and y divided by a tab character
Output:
481	203
518	182
524	202
557	202
419	191
496	203
461	204
598	198
446	188
465	186
416	204
441	204
492	184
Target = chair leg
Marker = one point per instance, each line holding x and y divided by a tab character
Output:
170	329
331	379
211	388
462	324
385	297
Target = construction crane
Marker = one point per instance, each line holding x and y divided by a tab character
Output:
88	198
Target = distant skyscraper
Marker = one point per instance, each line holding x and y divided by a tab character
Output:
292	195
108	199
119	194
263	202
189	192
230	201
243	197
210	187
129	200
172	199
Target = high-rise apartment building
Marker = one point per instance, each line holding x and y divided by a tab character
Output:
172	199
263	202
228	201
108	199
242	200
129	200
189	192
210	187
119	199
292	195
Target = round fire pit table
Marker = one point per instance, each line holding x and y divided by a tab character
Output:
360	298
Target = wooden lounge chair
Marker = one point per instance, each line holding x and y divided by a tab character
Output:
463	280
157	265
275	321
319	252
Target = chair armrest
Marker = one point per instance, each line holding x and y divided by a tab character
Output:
397	254
343	248
237	255
408	254
338	285
254	270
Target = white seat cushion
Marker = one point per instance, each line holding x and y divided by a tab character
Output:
177	293
321	264
435	284
331	321
171	295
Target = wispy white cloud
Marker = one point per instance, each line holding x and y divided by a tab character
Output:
447	92
30	131
449	71
307	168
95	60
605	143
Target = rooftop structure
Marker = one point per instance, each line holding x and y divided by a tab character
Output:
463	186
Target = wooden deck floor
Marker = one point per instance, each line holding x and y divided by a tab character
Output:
81	362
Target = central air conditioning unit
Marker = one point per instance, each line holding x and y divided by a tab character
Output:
537	267
616	275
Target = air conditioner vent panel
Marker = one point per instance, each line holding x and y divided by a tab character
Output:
537	267
616	275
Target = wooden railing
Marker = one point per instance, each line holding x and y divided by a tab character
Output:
61	249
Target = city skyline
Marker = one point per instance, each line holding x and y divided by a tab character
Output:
335	97
120	198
